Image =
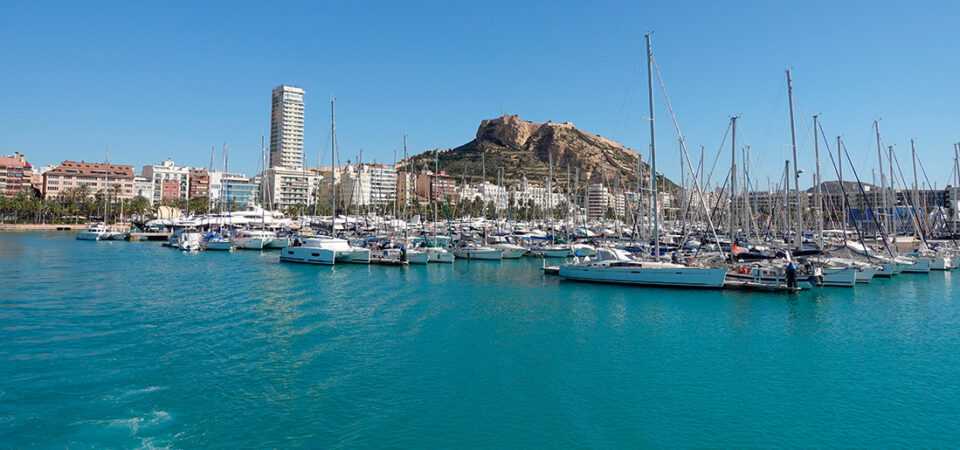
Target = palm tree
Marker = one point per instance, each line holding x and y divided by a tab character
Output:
22	204
77	200
139	206
114	190
198	205
54	209
5	207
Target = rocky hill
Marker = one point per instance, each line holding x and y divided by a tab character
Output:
525	148
833	187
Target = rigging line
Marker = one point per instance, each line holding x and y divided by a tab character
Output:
683	147
940	205
863	192
717	158
805	127
843	190
868	152
626	97
913	207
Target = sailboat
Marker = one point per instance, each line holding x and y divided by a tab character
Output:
619	267
214	241
510	250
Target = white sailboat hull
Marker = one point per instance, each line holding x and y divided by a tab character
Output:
940	264
550	252
514	253
840	277
889	269
865	275
417	257
510	251
671	277
190	242
251	243
218	245
441	257
921	265
479	254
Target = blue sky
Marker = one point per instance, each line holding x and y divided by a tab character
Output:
172	79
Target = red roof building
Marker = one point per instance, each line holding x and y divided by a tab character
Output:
15	174
70	174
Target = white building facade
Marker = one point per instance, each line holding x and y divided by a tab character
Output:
170	182
383	184
368	184
286	128
525	192
143	186
288	187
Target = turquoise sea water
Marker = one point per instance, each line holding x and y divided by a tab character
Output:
117	344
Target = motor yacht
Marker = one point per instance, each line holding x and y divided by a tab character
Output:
325	250
96	232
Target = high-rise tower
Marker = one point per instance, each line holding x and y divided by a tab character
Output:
286	128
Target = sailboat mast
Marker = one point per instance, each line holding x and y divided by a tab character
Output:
883	190
798	240
226	185
916	188
956	184
733	180
786	197
358	188
748	187
550	191
653	152
210	197
640	203
894	227
566	201
333	167
226	167
819	193
843	191
406	186
106	184
683	183
603	220
483	170
395	199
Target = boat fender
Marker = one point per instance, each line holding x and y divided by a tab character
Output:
791	276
